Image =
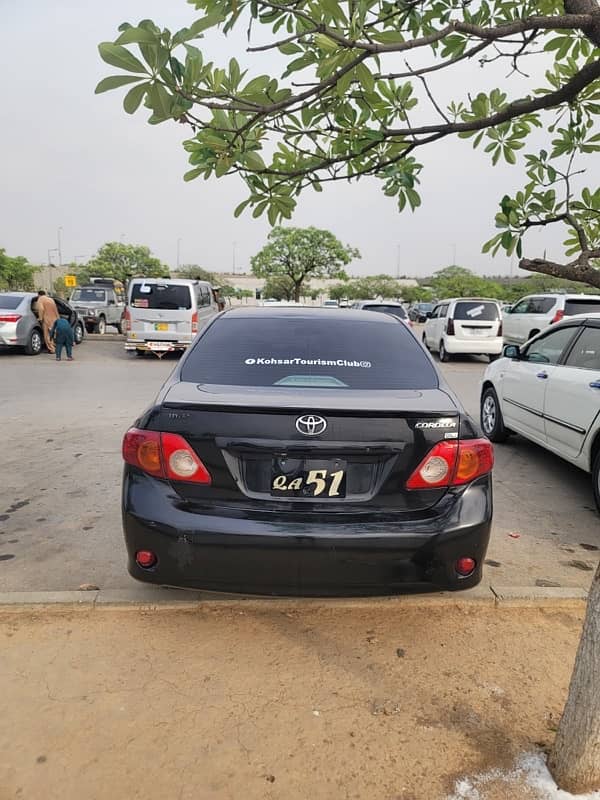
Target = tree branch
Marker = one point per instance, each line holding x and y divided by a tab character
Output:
580	270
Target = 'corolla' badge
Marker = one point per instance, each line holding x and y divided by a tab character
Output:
311	425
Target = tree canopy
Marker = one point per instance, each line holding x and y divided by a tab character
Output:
16	273
300	253
123	261
358	96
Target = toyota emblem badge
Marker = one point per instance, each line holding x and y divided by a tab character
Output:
311	425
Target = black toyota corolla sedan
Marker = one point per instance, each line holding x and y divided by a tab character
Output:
300	451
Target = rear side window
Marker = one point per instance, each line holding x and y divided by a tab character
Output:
89	296
396	311
469	311
161	295
310	353
10	301
586	350
581	306
541	305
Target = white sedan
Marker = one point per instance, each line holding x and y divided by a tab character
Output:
549	391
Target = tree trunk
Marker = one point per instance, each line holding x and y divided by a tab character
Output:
575	758
297	289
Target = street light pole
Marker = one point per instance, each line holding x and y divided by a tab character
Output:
178	252
58	236
398	261
234	246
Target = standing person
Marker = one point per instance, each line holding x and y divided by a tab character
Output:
62	333
47	314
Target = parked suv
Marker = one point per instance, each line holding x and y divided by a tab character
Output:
466	325
164	316
419	312
384	307
98	306
530	315
19	326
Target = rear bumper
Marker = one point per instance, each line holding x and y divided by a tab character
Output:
203	549
492	346
157	346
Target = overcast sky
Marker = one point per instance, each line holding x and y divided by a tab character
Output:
74	160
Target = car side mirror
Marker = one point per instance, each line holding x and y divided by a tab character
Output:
512	351
428	315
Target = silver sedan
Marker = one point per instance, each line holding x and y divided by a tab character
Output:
19	326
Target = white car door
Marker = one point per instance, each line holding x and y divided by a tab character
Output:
512	322
524	382
431	329
573	395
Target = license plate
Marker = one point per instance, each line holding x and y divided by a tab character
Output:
160	346
308	479
161	326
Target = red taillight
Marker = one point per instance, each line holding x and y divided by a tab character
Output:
450	327
126	320
465	566
195	322
558	316
146	558
164	455
453	463
10	317
181	463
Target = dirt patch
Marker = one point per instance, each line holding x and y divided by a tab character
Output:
270	703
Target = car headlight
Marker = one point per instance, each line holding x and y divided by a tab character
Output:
91	312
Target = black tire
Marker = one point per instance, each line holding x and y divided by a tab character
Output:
140	353
596	480
119	328
34	343
101	326
89	328
424	340
443	353
78	333
492	422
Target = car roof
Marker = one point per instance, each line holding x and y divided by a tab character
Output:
174	281
306	312
469	300
559	295
379	303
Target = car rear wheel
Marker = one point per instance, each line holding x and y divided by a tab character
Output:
140	353
34	343
444	354
78	333
101	326
492	421
596	479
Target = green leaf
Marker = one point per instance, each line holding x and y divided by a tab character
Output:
120	57
209	21
160	101
365	76
134	97
253	160
241	207
135	36
114	81
192	173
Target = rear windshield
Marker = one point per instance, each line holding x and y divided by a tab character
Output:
583	306
88	296
161	295
476	311
396	311
10	301
309	353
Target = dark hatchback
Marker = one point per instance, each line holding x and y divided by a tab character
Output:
298	451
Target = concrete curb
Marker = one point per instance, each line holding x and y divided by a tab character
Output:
148	598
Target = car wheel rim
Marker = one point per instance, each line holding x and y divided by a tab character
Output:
101	326
36	342
489	414
78	334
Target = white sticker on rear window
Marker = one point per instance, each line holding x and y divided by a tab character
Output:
145	289
269	361
477	311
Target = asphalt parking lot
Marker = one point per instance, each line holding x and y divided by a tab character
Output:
62	425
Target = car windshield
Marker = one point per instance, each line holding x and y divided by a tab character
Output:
396	311
426	307
310	352
476	310
161	295
88	296
10	301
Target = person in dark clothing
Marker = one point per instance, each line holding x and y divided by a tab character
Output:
62	334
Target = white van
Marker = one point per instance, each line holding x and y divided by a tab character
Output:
465	325
165	315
